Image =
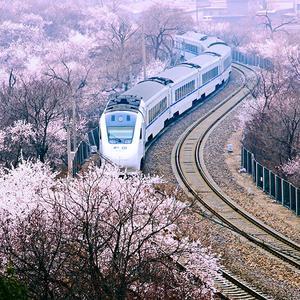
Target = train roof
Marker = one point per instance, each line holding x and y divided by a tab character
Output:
123	102
155	85
146	89
205	59
192	36
178	72
199	38
214	50
210	40
219	48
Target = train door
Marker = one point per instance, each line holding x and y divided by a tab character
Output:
169	103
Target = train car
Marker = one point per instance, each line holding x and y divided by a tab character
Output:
187	45
139	114
191	44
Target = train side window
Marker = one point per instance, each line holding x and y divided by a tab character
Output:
141	134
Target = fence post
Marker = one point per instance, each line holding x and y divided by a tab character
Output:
263	178
252	166
81	154
242	157
276	188
282	192
270	192
290	196
86	150
296	199
70	153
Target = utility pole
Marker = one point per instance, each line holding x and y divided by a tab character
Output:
296	4
76	95
69	152
144	52
74	122
197	14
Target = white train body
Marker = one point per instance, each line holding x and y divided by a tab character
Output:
139	114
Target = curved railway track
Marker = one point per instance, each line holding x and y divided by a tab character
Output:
189	168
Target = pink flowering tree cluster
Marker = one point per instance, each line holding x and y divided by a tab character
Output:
105	39
15	138
263	34
32	120
99	236
63	47
273	130
269	36
292	169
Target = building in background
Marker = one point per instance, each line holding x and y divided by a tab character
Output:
278	5
242	7
297	7
238	7
227	8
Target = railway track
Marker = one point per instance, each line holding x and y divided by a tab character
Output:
189	168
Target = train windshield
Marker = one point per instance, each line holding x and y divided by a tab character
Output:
120	127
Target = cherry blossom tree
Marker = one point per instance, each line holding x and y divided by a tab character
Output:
15	140
30	112
273	130
98	48
22	187
291	169
99	236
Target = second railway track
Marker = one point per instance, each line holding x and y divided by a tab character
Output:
190	170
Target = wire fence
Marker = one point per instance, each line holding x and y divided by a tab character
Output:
278	188
82	153
251	59
85	149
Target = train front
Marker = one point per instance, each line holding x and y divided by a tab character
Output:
121	133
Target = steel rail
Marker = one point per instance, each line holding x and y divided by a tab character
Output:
184	173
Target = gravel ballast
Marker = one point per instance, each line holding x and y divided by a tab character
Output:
237	254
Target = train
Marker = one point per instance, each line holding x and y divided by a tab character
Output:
135	117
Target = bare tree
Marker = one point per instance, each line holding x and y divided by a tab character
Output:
74	84
119	54
273	26
114	5
160	23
